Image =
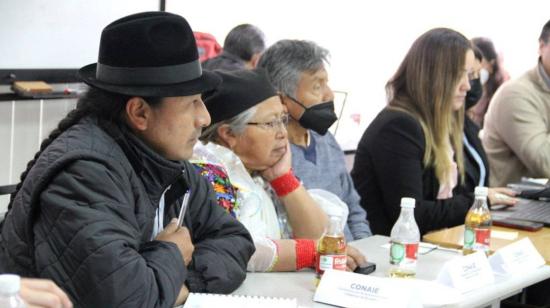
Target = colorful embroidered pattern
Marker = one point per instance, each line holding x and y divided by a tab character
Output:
225	192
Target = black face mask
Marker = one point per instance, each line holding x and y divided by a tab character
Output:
319	117
475	93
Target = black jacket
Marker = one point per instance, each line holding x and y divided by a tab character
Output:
224	62
84	219
389	165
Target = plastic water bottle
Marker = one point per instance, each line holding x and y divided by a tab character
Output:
477	227
9	291
405	237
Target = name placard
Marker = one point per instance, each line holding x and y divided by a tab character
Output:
520	256
355	290
466	273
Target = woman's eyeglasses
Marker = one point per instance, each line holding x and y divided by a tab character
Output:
281	122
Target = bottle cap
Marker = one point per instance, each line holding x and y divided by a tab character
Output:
481	191
408	202
9	283
334	218
335	224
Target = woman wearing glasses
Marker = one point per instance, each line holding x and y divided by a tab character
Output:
248	140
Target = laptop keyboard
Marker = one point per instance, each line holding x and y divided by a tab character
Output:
533	210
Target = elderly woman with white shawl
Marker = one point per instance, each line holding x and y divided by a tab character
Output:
245	155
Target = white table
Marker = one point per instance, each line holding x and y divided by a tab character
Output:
300	285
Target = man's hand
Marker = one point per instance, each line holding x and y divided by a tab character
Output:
182	297
43	293
179	236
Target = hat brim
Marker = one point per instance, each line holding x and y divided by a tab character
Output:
207	82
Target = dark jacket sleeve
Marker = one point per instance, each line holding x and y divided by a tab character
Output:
398	161
223	246
90	242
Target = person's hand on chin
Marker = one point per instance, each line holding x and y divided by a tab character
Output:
280	167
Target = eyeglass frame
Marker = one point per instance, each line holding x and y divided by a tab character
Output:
279	122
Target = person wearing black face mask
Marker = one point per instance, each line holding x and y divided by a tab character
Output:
474	95
318	117
476	164
297	70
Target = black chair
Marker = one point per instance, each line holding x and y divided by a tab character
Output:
7	189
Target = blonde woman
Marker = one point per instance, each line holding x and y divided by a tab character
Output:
413	148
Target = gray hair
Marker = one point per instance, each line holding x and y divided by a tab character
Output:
236	124
286	60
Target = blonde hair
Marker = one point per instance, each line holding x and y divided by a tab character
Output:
424	87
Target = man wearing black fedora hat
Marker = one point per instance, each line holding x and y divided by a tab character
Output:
96	208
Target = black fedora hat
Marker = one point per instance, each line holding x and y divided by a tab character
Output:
149	54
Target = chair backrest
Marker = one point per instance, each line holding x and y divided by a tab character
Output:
340	98
7	189
349	159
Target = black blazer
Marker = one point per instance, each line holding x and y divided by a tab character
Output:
389	165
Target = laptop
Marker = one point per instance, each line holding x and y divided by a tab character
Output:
525	209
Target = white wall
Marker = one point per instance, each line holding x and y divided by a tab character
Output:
58	33
368	39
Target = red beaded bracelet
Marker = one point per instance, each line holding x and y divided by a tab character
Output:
305	254
285	184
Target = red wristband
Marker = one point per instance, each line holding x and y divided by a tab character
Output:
305	254
285	184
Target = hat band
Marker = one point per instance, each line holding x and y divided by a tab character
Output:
150	76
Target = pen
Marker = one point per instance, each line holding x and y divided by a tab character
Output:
183	207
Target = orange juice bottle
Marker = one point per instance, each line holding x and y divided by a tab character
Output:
331	248
477	227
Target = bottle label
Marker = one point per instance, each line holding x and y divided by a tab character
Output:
405	254
477	238
335	262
